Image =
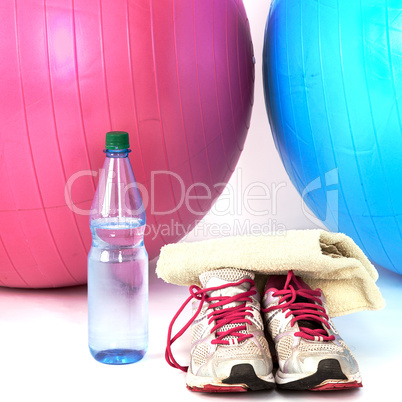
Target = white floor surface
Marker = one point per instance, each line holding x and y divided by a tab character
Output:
44	355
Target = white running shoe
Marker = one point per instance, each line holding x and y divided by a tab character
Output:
310	353
229	352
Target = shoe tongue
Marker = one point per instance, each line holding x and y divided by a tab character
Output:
223	276
219	277
296	282
278	282
312	324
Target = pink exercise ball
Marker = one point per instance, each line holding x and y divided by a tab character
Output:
178	75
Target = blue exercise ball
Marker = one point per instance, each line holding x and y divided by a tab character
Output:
333	89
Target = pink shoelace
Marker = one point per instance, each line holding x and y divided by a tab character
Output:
304	311
230	315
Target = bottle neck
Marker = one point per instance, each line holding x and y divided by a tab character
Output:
117	194
117	153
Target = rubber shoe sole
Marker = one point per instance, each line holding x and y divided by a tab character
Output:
328	377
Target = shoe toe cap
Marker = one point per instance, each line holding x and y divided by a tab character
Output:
307	363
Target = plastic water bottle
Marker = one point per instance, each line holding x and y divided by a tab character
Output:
117	262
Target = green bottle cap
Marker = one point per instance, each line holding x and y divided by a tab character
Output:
117	140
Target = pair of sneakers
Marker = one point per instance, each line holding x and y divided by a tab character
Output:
236	339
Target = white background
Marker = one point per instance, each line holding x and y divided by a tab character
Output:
43	333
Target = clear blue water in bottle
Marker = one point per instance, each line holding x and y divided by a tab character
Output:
117	265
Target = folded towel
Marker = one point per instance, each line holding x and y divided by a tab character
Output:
329	261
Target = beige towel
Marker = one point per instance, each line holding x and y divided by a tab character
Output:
329	261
